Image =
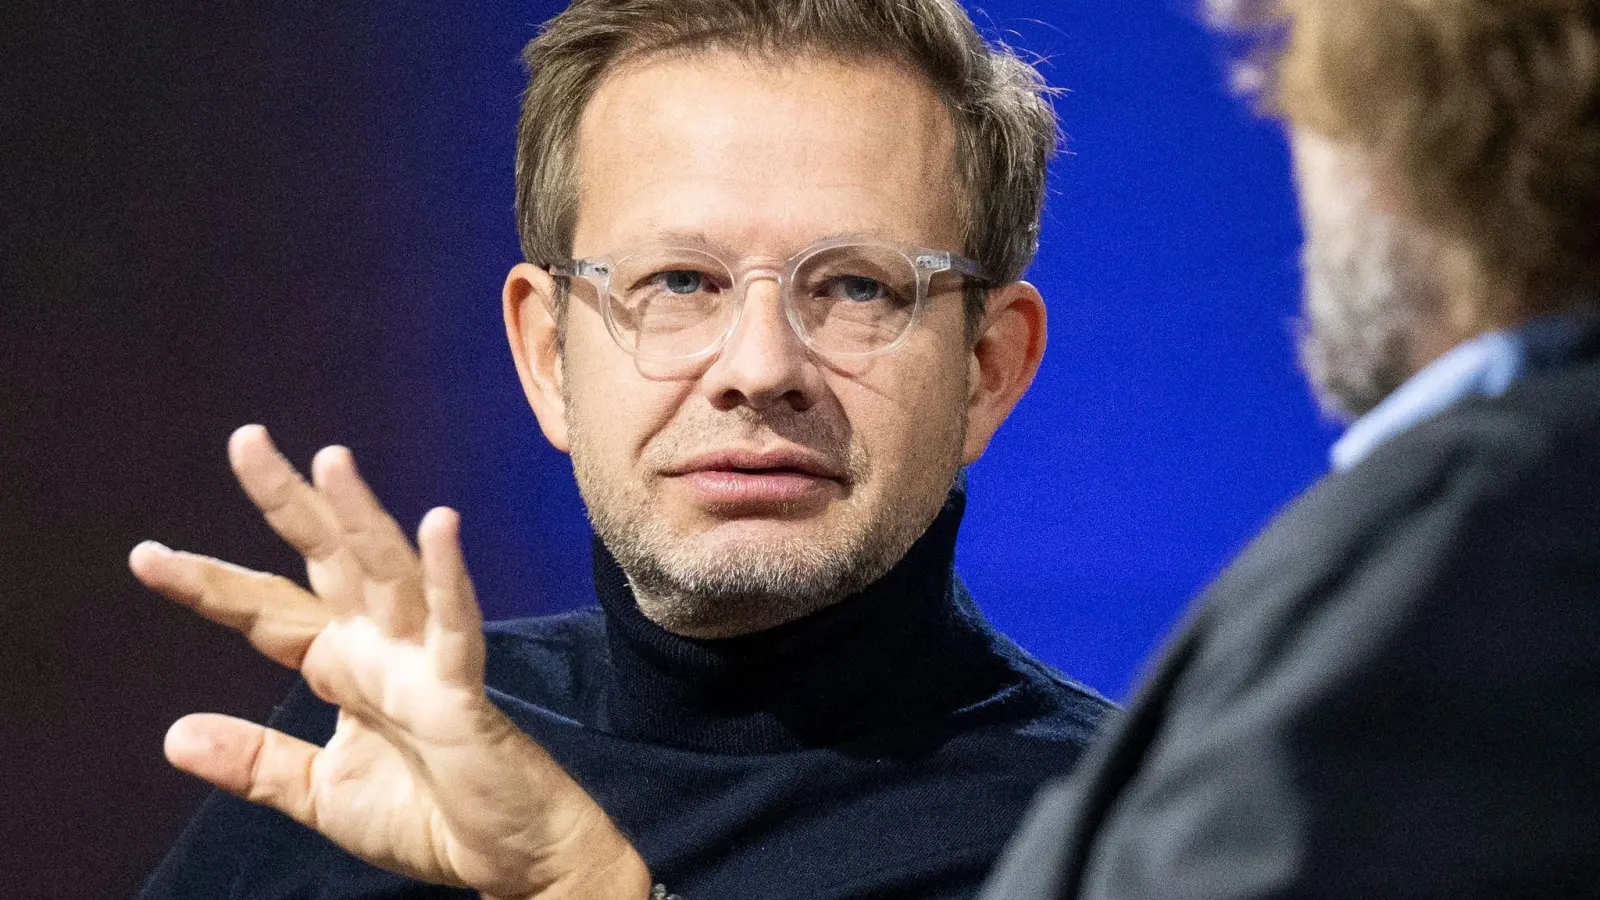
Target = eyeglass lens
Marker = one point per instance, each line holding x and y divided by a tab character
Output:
676	303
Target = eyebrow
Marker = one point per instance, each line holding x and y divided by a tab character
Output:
699	239
689	238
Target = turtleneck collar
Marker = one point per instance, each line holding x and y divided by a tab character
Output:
907	649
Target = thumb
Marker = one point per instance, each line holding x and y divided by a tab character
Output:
259	764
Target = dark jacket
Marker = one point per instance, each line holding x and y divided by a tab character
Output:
1394	692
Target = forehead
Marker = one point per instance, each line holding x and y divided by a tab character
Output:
764	158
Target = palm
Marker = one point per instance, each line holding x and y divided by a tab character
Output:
367	798
362	794
423	775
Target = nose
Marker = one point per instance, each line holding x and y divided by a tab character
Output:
764	362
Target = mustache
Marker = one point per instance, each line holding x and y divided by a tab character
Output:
780	425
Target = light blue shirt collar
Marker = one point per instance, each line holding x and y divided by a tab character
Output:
1485	366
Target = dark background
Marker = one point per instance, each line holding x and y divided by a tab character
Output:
300	214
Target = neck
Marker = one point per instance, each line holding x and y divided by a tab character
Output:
1471	299
724	616
1471	317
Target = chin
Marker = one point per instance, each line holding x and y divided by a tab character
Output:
763	530
756	538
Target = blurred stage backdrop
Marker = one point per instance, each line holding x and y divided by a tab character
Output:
300	214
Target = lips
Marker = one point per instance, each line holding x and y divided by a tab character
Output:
756	481
755	462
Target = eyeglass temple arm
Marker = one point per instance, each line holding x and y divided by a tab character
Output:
941	261
578	268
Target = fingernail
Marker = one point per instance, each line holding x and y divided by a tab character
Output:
155	547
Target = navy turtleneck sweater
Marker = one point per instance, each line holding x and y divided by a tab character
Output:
884	747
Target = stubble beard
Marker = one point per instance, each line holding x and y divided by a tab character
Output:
1363	290
701	586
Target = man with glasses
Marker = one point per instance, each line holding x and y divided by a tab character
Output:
771	308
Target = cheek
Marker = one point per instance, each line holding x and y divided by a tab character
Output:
614	407
910	420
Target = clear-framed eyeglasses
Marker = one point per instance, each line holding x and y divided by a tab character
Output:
845	297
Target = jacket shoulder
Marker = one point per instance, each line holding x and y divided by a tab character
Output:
1531	456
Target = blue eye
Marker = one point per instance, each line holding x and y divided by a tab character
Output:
861	290
683	281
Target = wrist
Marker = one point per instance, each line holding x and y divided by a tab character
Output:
607	868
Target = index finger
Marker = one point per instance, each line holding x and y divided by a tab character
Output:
277	616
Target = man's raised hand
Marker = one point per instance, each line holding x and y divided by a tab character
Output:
423	776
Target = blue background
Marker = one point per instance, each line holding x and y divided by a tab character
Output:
1168	422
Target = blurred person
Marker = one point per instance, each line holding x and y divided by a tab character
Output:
771	307
1393	692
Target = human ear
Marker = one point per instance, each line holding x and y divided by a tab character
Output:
1002	362
531	326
